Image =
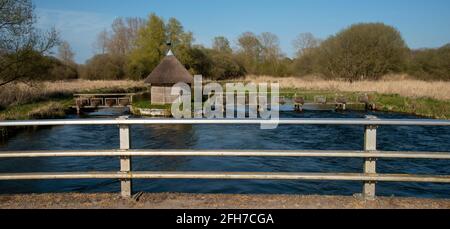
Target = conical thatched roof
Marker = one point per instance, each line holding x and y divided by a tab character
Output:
169	71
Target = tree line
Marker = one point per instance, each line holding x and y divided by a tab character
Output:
133	47
365	51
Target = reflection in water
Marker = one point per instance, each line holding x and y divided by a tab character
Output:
231	137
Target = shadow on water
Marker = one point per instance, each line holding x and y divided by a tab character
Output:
230	137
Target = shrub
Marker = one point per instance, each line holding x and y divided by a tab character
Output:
62	71
362	51
104	67
431	64
224	66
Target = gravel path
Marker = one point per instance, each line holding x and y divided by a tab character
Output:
222	201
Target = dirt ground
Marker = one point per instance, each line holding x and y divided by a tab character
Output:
212	201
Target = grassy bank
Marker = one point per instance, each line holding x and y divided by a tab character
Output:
20	93
40	110
146	104
391	84
427	107
46	109
46	99
421	106
52	99
395	93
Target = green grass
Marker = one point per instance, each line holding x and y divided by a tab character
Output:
39	110
53	106
146	104
45	109
426	107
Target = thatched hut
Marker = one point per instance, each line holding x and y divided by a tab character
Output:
168	73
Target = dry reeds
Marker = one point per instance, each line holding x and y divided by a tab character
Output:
20	93
391	84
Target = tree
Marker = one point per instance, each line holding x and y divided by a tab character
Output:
306	63
65	67
124	33
117	43
221	44
250	52
270	45
199	63
180	41
104	67
363	51
261	54
101	44
270	54
61	70
134	25
176	34
306	46
224	66
65	53
150	48
305	42
431	64
121	40
20	42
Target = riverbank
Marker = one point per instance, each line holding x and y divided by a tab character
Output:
394	93
213	201
46	100
421	106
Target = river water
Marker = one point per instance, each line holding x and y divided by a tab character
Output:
231	137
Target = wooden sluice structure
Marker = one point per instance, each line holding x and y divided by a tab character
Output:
339	103
300	104
98	101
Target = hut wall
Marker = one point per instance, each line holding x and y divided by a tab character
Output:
162	95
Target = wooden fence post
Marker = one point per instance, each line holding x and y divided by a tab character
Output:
125	161
370	145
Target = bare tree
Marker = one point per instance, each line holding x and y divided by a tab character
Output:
134	25
271	53
100	45
250	51
270	46
305	42
65	53
222	44
20	41
124	33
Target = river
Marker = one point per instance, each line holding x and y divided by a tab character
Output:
390	138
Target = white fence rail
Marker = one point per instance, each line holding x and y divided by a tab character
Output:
370	154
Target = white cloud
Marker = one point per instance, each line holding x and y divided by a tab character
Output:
79	28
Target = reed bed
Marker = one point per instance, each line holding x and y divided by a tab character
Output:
391	84
21	93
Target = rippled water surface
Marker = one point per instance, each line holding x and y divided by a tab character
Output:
231	137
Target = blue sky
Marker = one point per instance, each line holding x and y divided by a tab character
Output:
423	23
